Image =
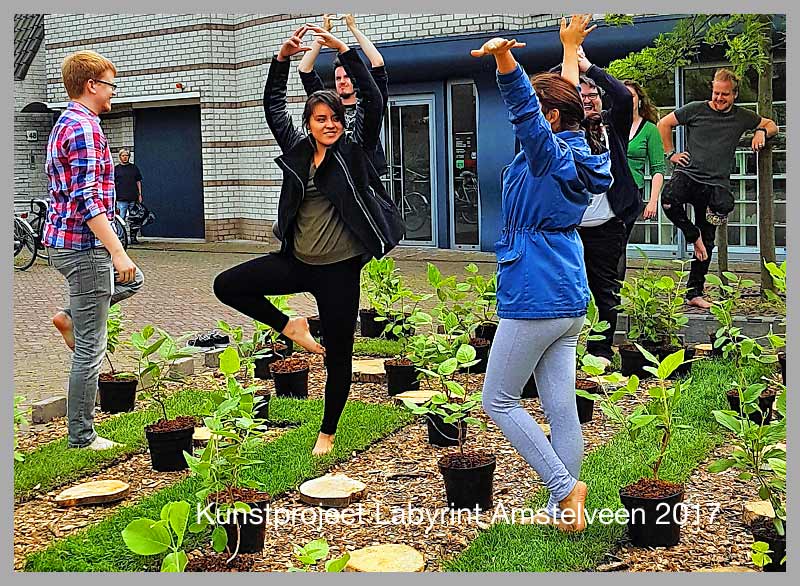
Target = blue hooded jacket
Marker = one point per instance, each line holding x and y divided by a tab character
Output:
546	190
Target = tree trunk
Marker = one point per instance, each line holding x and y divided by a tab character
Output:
722	251
766	199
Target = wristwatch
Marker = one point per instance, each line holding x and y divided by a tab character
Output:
669	154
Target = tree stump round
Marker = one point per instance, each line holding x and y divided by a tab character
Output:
93	493
390	557
332	490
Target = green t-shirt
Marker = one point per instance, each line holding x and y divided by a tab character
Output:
320	235
645	146
711	139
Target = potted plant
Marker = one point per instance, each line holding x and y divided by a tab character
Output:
236	500
249	353
402	322
148	537
586	388
653	504
484	302
379	280
730	294
654	305
167	438
117	389
468	477
759	454
778	341
455	299
279	346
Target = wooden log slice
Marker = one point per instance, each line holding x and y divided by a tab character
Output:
419	397
332	490
201	435
703	349
754	509
389	557
369	371
93	493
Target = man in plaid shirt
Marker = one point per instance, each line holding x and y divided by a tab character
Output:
84	247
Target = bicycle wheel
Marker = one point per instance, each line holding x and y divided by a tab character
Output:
416	211
24	245
121	231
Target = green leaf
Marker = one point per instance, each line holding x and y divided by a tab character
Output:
726	419
465	353
670	363
229	362
647	355
317	549
447	367
337	564
219	539
174	562
721	465
146	537
178	517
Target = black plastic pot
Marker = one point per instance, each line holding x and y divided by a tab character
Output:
369	327
653	522
486	331
252	529
633	362
117	396
782	362
167	447
291	384
400	378
529	391
443	434
262	409
467	488
764	403
585	409
764	530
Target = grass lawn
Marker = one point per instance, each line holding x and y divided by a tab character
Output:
287	463
526	548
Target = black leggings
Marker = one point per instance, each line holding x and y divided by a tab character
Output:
335	287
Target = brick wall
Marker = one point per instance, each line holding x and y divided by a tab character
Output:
224	57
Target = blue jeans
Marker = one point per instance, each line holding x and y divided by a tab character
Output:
122	207
545	347
90	276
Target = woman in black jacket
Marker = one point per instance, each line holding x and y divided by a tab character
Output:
333	216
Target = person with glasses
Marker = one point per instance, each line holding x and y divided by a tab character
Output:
609	220
84	247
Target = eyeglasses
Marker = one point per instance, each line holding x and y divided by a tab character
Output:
591	96
113	86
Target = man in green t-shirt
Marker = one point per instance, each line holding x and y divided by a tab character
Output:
701	176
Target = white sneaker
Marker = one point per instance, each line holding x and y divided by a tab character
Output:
606	362
101	443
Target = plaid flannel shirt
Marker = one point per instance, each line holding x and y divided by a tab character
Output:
80	175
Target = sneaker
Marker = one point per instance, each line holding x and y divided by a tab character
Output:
606	362
101	443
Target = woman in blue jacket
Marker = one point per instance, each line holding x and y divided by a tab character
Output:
542	292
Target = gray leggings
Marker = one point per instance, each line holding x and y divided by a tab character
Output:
545	347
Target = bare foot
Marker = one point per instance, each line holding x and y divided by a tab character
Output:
700	252
324	445
699	302
63	323
297	330
572	509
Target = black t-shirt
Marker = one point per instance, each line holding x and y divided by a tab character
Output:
125	178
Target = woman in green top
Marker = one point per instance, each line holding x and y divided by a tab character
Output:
645	145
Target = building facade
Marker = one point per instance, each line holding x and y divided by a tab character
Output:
189	107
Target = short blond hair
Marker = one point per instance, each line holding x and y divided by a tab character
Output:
727	75
81	66
125	151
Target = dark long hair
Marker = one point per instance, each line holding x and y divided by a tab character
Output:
647	109
555	92
327	97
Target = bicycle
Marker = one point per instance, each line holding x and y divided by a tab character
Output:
414	206
24	243
466	198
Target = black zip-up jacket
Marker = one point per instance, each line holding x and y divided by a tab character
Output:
312	83
623	197
346	175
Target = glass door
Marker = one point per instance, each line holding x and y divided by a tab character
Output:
463	171
409	143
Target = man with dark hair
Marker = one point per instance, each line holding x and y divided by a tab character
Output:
701	176
609	219
344	85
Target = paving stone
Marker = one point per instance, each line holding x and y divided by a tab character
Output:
48	409
211	358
